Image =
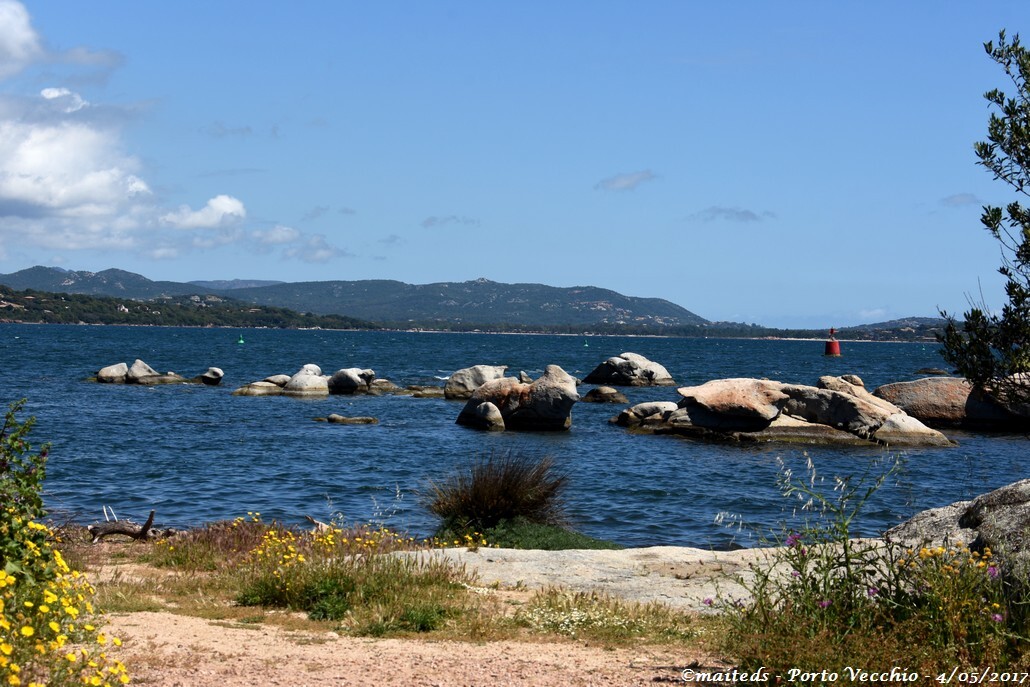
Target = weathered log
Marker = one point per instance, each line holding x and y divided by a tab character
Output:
126	527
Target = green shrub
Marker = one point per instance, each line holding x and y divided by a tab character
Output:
499	489
522	534
48	627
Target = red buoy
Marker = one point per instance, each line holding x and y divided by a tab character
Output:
832	345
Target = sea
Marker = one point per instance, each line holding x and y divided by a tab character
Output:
198	454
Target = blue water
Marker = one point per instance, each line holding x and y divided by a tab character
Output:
198	453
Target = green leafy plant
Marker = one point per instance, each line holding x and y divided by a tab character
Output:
827	601
48	627
992	349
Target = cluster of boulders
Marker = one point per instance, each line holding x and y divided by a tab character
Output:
510	403
310	382
838	410
141	373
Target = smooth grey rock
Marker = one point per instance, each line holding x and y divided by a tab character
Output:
525	378
604	394
933	527
309	381
845	386
166	378
259	389
630	417
998	520
629	369
904	430
426	391
278	380
491	417
213	377
379	387
341	420
465	381
138	371
113	374
350	380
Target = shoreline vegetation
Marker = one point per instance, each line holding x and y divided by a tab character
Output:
38	307
813	599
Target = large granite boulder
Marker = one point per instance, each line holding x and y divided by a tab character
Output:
546	404
308	381
138	371
465	381
840	412
629	369
351	380
732	404
113	374
213	377
999	520
947	402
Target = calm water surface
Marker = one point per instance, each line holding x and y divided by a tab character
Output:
196	454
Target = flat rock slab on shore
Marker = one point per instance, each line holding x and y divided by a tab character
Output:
677	576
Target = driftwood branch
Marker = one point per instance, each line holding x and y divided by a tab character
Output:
126	527
319	525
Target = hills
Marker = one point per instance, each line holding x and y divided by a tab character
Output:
118	297
479	303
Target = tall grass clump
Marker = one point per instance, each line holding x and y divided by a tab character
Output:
497	489
49	632
827	601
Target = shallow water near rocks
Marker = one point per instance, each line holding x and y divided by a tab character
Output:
198	454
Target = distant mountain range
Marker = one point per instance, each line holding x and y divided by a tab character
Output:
466	304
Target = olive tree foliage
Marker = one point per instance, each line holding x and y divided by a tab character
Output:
992	348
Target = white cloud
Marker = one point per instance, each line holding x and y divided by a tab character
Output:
277	235
66	182
65	169
957	200
315	248
19	42
435	221
69	101
716	213
625	182
220	211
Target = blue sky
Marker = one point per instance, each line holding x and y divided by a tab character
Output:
790	164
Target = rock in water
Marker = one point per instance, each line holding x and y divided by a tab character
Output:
546	404
629	369
351	380
309	381
113	374
465	381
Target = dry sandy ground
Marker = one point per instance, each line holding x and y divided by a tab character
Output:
168	650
